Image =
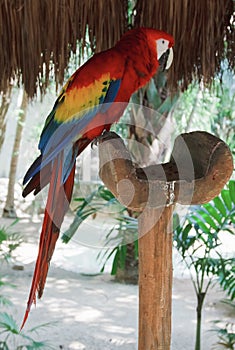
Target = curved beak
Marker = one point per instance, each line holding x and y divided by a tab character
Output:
166	59
170	58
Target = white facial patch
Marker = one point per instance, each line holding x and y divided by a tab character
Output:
162	47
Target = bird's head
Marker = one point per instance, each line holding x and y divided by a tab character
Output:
162	43
149	47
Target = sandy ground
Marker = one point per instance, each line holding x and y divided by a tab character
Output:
94	312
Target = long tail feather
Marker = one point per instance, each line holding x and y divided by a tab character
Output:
59	197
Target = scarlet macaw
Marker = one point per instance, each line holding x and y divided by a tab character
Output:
84	109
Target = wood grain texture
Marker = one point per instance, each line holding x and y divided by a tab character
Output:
155	279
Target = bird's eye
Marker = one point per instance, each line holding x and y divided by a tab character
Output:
163	41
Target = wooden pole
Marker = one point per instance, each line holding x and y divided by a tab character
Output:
155	278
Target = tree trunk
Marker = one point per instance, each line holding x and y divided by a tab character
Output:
200	300
3	111
130	273
9	209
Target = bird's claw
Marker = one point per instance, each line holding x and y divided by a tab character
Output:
105	136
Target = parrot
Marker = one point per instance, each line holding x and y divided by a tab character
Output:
94	98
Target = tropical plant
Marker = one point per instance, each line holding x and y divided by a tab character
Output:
226	330
15	339
216	105
197	241
99	199
9	241
121	240
4	301
226	276
223	122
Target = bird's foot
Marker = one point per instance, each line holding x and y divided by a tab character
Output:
105	136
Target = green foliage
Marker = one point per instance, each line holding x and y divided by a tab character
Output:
223	123
3	300
226	335
8	242
226	330
197	241
122	234
212	110
14	338
198	236
20	339
97	201
226	276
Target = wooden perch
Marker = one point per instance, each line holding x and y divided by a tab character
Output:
199	167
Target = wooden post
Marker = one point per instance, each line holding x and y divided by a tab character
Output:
199	167
155	278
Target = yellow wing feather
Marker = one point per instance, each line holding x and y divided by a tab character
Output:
74	101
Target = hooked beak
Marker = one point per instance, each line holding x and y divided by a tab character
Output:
166	59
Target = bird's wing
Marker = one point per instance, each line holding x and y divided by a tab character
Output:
79	102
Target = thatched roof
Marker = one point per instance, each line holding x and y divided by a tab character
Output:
35	34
